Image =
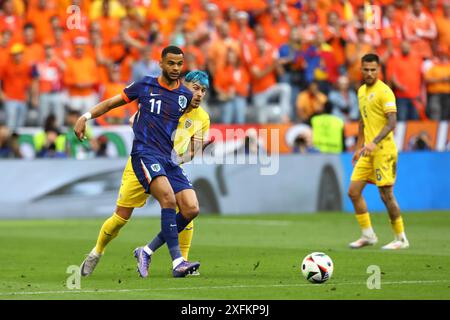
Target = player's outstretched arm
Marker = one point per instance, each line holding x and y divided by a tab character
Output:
100	109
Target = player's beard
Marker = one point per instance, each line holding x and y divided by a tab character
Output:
169	77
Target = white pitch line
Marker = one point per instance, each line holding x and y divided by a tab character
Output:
215	287
249	222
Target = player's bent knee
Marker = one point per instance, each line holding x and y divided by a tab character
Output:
124	212
191	212
354	193
167	200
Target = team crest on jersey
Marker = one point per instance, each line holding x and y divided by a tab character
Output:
188	124
182	101
371	96
155	167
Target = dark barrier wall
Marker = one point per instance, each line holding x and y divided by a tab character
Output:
423	182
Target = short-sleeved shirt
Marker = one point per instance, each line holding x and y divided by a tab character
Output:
194	123
159	112
374	103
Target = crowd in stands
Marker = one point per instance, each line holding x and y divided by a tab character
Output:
269	61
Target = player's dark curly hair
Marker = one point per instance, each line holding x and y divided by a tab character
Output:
370	57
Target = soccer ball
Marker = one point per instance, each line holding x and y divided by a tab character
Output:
317	267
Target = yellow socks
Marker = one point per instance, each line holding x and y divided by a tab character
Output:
110	229
398	228
185	239
365	224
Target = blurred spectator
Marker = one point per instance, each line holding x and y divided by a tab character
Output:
10	20
264	70
354	52
81	78
102	147
310	102
50	143
39	16
146	66
363	22
50	75
328	131
232	83
292	62
334	34
19	84
277	27
75	148
33	51
217	52
344	100
111	88
437	79
443	25
421	142
9	144
404	72
419	29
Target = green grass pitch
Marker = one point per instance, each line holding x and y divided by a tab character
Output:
242	257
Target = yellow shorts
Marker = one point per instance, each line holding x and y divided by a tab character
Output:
379	169
132	193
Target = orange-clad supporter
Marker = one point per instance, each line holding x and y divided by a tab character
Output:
391	28
419	29
277	28
405	75
40	16
206	31
137	9
5	45
197	12
401	9
108	21
101	8
34	51
316	11
50	72
232	83
334	34
10	20
371	34
240	30
112	87
99	51
80	78
310	102
126	68
18	84
217	51
307	28
63	45
344	9
443	26
354	51
166	13
264	69
434	8
192	49
132	37
437	79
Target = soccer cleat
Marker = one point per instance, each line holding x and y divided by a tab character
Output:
143	261
194	273
185	268
397	244
364	241
89	264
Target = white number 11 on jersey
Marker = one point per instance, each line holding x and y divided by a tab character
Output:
152	106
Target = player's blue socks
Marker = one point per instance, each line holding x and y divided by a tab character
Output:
159	240
170	232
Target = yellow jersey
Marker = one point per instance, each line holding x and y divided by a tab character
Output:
374	103
193	123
